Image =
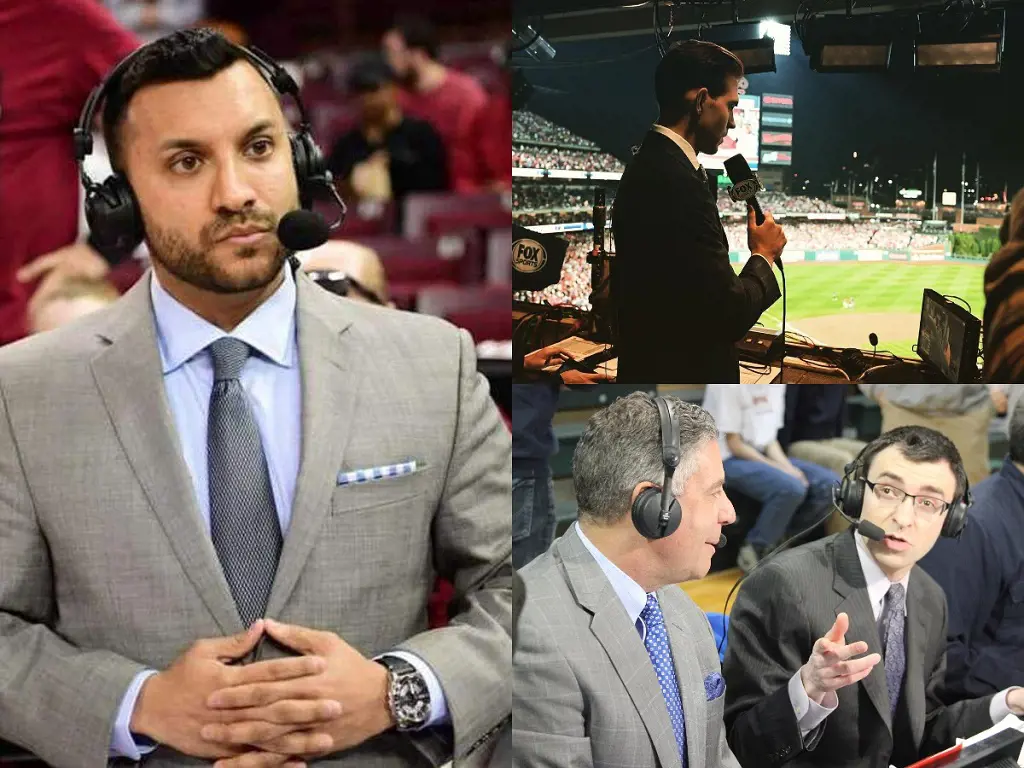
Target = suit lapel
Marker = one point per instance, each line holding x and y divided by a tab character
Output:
849	584
691	684
917	643
622	643
330	386
127	372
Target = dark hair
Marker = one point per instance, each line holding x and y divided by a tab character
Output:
370	74
189	54
687	65
418	33
919	445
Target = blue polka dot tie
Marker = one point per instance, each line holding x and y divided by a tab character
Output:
657	645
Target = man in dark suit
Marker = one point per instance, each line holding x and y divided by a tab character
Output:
908	482
672	273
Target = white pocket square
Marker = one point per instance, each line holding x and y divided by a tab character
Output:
382	472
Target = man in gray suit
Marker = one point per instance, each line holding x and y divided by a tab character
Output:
796	612
614	666
231	442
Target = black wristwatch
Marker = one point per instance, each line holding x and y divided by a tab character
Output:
408	695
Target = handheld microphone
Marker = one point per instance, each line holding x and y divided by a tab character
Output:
745	186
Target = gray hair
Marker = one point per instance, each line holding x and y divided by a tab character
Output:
621	447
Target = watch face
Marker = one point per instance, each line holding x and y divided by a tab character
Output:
410	697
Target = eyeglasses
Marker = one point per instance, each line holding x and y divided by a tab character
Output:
927	507
341	283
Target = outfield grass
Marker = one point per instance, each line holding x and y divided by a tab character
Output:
876	287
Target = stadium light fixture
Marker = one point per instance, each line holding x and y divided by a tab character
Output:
848	44
757	55
974	42
780	33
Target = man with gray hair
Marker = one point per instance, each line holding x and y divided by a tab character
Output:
981	576
614	665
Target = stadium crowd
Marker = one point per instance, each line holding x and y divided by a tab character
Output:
779	202
836	235
528	127
564	159
555	197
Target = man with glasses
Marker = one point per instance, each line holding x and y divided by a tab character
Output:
349	269
804	620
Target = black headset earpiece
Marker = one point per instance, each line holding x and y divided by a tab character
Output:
849	498
656	512
110	206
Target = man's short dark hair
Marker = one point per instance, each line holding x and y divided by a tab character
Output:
687	65
919	445
370	74
189	54
418	33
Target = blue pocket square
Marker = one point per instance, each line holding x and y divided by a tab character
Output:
714	686
377	473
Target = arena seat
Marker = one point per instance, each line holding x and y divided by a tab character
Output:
420	206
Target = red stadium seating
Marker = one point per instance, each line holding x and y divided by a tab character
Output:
481	209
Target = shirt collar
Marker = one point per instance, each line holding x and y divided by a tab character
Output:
182	334
631	594
878	583
682	143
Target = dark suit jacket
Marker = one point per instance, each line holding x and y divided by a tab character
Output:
781	610
680	306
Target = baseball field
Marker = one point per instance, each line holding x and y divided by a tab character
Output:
840	303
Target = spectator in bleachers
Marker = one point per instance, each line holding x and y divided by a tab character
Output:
389	154
551	158
71	300
961	412
54	53
793	493
528	127
980	575
813	431
349	269
150	19
447	99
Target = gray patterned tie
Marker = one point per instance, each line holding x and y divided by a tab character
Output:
703	173
893	620
243	518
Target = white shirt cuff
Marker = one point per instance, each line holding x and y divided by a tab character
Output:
763	257
438	703
121	742
809	714
998	708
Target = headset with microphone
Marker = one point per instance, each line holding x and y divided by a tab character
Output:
111	208
656	512
848	498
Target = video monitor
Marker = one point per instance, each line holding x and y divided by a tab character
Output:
948	338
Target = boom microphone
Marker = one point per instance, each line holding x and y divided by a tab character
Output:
302	230
722	541
745	185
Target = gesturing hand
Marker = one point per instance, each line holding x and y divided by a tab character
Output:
832	665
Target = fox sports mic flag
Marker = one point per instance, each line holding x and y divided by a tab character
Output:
536	259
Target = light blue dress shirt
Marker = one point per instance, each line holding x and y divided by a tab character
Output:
632	595
271	380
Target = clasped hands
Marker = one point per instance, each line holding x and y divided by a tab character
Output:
273	713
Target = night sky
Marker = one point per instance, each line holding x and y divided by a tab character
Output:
895	120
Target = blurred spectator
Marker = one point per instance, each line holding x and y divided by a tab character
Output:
493	128
980	574
961	412
54	53
74	298
528	127
388	155
1004	301
349	269
150	19
447	99
793	493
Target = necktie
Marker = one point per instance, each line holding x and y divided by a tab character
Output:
703	173
658	648
893	620
243	518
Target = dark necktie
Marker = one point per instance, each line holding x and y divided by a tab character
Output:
893	621
703	173
660	652
243	517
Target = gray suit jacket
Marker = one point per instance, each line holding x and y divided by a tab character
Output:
106	567
781	610
585	694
